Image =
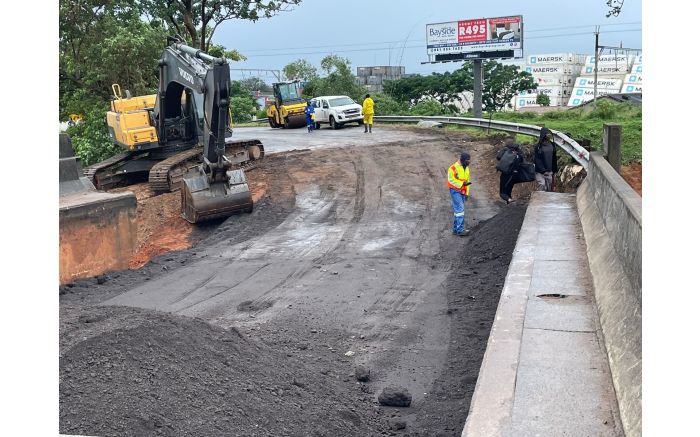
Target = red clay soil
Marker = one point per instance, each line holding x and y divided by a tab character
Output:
633	175
160	227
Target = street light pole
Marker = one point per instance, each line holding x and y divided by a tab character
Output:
478	86
595	68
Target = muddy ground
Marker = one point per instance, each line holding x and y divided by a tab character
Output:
347	260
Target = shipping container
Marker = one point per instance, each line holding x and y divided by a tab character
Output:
636	69
529	102
632	88
364	71
605	70
633	78
547	80
611	84
374	80
638	59
361	80
561	69
582	95
615	60
556	58
551	91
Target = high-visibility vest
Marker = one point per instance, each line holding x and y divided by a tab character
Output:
457	178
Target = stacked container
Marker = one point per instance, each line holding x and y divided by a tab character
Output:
633	81
554	74
372	78
612	73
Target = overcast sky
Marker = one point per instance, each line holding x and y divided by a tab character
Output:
392	32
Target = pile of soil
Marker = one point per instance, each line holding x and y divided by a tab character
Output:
126	371
633	175
474	290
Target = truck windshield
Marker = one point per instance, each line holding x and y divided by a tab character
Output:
341	101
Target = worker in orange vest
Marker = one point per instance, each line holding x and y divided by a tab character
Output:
458	182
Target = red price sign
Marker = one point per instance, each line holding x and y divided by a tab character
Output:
471	31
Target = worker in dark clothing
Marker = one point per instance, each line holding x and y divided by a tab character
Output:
509	175
309	111
545	161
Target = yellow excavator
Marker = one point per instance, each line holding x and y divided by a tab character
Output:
180	138
287	109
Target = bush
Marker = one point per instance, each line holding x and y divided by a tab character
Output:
542	99
429	107
242	108
90	138
261	113
385	105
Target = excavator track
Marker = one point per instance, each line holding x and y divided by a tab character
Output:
167	175
92	174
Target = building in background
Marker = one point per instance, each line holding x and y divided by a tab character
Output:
373	78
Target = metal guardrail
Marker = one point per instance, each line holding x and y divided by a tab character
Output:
569	145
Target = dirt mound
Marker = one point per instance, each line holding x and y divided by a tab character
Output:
126	371
633	175
474	289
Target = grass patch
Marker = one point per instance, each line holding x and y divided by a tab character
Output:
588	124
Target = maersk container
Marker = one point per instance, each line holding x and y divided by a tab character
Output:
582	95
633	78
605	70
556	58
638	59
611	84
550	91
547	80
632	88
529	102
636	69
552	70
620	59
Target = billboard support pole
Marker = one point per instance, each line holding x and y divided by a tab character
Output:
478	85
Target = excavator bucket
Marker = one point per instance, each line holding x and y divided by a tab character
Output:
205	200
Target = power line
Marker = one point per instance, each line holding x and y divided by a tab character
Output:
423	45
419	40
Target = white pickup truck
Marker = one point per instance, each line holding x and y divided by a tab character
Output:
336	111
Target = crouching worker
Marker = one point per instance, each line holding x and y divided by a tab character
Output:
458	182
309	111
509	160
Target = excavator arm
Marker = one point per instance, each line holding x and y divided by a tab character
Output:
214	190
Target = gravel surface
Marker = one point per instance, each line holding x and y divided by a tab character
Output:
348	260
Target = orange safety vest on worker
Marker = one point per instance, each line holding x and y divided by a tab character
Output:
458	177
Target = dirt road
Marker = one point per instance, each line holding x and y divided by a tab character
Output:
347	260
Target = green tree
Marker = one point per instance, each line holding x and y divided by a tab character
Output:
542	99
300	69
253	84
339	80
197	20
430	107
386	105
502	83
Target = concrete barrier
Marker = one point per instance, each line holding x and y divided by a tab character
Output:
611	218
97	230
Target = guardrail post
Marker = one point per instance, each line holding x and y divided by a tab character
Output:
612	141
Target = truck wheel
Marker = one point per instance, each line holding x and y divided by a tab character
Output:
286	122
334	124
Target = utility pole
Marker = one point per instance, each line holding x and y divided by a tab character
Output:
595	69
478	85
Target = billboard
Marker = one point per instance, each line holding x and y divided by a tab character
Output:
475	37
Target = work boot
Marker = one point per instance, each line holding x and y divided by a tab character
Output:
462	233
365	128
370	128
